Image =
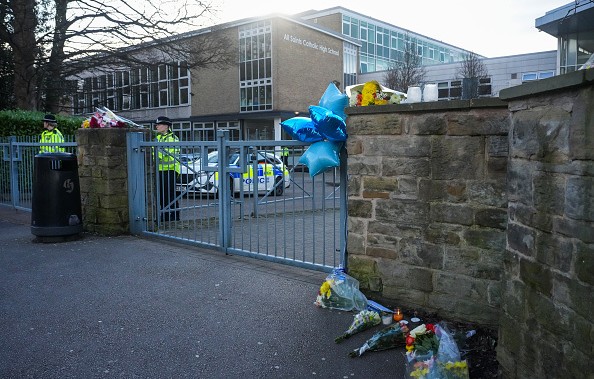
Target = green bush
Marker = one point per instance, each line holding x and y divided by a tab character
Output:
29	123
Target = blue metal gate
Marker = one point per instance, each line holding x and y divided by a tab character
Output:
249	198
16	168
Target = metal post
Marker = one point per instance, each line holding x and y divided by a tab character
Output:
136	180
224	196
255	180
14	171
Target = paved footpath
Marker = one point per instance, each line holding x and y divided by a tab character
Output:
128	307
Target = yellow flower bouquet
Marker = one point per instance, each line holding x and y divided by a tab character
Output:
340	291
372	93
432	352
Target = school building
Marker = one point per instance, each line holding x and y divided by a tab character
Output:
284	64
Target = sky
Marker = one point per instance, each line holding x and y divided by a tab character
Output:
491	28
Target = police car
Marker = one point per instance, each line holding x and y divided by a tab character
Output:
272	176
189	168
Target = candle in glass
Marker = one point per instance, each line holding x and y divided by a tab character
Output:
397	314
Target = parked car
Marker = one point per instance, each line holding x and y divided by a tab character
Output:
189	167
272	176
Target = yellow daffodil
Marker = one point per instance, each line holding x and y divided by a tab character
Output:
370	89
325	290
418	373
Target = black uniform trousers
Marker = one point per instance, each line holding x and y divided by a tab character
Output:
167	181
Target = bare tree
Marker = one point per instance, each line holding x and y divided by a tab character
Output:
470	72
472	67
62	38
408	71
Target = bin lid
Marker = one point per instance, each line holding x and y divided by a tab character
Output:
56	155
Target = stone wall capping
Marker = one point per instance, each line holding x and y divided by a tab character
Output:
487	102
553	84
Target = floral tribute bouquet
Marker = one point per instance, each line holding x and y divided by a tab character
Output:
362	321
372	93
104	118
388	338
341	291
432	353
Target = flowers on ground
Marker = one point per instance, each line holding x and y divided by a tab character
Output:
432	353
341	291
362	321
387	338
422	340
421	369
454	370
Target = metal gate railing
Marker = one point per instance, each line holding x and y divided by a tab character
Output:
16	168
267	206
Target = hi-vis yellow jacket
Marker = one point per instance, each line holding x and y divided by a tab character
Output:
51	136
168	156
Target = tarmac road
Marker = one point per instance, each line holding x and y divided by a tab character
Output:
126	307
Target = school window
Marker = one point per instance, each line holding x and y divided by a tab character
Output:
255	67
449	90
484	87
138	88
232	127
203	131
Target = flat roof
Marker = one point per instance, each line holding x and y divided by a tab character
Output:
573	17
345	11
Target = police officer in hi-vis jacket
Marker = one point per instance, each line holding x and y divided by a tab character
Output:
168	170
51	134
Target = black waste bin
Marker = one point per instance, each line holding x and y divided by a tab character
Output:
56	207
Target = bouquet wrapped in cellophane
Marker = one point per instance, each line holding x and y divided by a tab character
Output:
388	338
105	118
432	353
372	93
362	321
341	291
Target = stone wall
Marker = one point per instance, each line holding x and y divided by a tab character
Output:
428	204
546	328
103	172
450	213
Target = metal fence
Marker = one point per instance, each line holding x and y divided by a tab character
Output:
280	214
298	220
16	168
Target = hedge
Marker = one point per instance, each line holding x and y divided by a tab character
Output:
29	123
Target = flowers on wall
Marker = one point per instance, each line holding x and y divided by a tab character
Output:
105	118
372	93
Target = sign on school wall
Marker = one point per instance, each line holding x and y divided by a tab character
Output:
310	44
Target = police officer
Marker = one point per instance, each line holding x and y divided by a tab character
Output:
51	134
285	155
168	170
